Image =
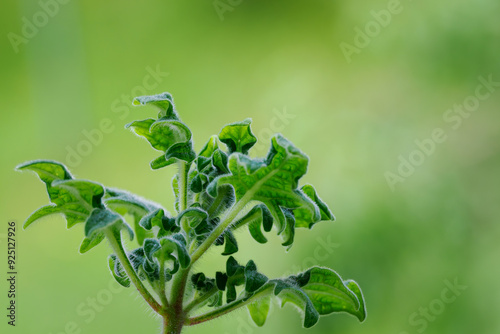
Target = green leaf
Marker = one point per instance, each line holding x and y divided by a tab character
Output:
219	161
238	137
291	293
161	134
304	217
272	182
191	218
253	279
101	219
89	243
117	271
209	147
178	151
329	293
259	310
163	101
42	212
230	244
259	216
123	202
73	198
175	244
47	170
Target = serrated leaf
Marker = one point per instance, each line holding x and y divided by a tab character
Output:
272	182
259	310
163	101
329	293
238	136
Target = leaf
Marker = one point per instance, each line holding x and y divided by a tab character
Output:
259	216
191	218
329	293
253	279
117	271
47	170
41	212
163	101
73	198
230	244
219	161
272	182
101	219
123	202
161	134
89	243
259	310
238	137
304	217
174	244
209	147
291	293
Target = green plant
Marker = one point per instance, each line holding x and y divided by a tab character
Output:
217	192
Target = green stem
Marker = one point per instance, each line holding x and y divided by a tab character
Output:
172	325
183	176
114	239
231	215
217	202
162	284
218	312
201	299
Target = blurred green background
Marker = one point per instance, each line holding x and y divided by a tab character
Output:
229	60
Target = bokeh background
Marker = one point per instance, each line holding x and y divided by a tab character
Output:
225	61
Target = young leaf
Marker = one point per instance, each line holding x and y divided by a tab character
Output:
117	271
329	293
291	293
123	202
101	220
163	101
238	137
73	198
253	279
259	310
273	182
304	217
47	170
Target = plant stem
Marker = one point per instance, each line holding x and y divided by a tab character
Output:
114	239
218	312
162	284
172	325
201	299
231	215
182	182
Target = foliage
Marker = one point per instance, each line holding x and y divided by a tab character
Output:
217	191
